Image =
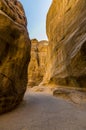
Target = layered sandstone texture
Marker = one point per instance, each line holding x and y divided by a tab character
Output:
14	54
66	30
37	66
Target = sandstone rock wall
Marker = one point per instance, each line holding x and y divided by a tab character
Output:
37	66
66	30
14	54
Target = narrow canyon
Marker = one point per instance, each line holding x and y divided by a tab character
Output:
65	68
52	71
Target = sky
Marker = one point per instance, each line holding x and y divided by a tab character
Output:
36	11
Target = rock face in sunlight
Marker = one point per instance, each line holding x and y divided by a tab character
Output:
14	54
66	30
38	61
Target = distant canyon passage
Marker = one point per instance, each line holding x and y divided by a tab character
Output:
38	62
14	54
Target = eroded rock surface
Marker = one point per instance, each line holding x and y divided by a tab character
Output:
66	30
76	95
14	54
37	66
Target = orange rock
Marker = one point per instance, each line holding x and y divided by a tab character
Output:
66	30
37	66
14	54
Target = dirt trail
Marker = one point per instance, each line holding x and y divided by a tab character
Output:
42	111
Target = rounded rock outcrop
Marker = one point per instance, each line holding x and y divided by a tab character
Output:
14	54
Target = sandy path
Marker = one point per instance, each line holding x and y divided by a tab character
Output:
44	112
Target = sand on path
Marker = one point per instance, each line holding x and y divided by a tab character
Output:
42	111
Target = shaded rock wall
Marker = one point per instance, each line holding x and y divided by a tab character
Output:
37	66
66	30
14	54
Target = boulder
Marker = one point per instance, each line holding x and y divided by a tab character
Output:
66	30
37	66
14	54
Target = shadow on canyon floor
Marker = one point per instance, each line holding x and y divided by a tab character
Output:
42	111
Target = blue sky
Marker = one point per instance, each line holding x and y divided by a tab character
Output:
36	11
